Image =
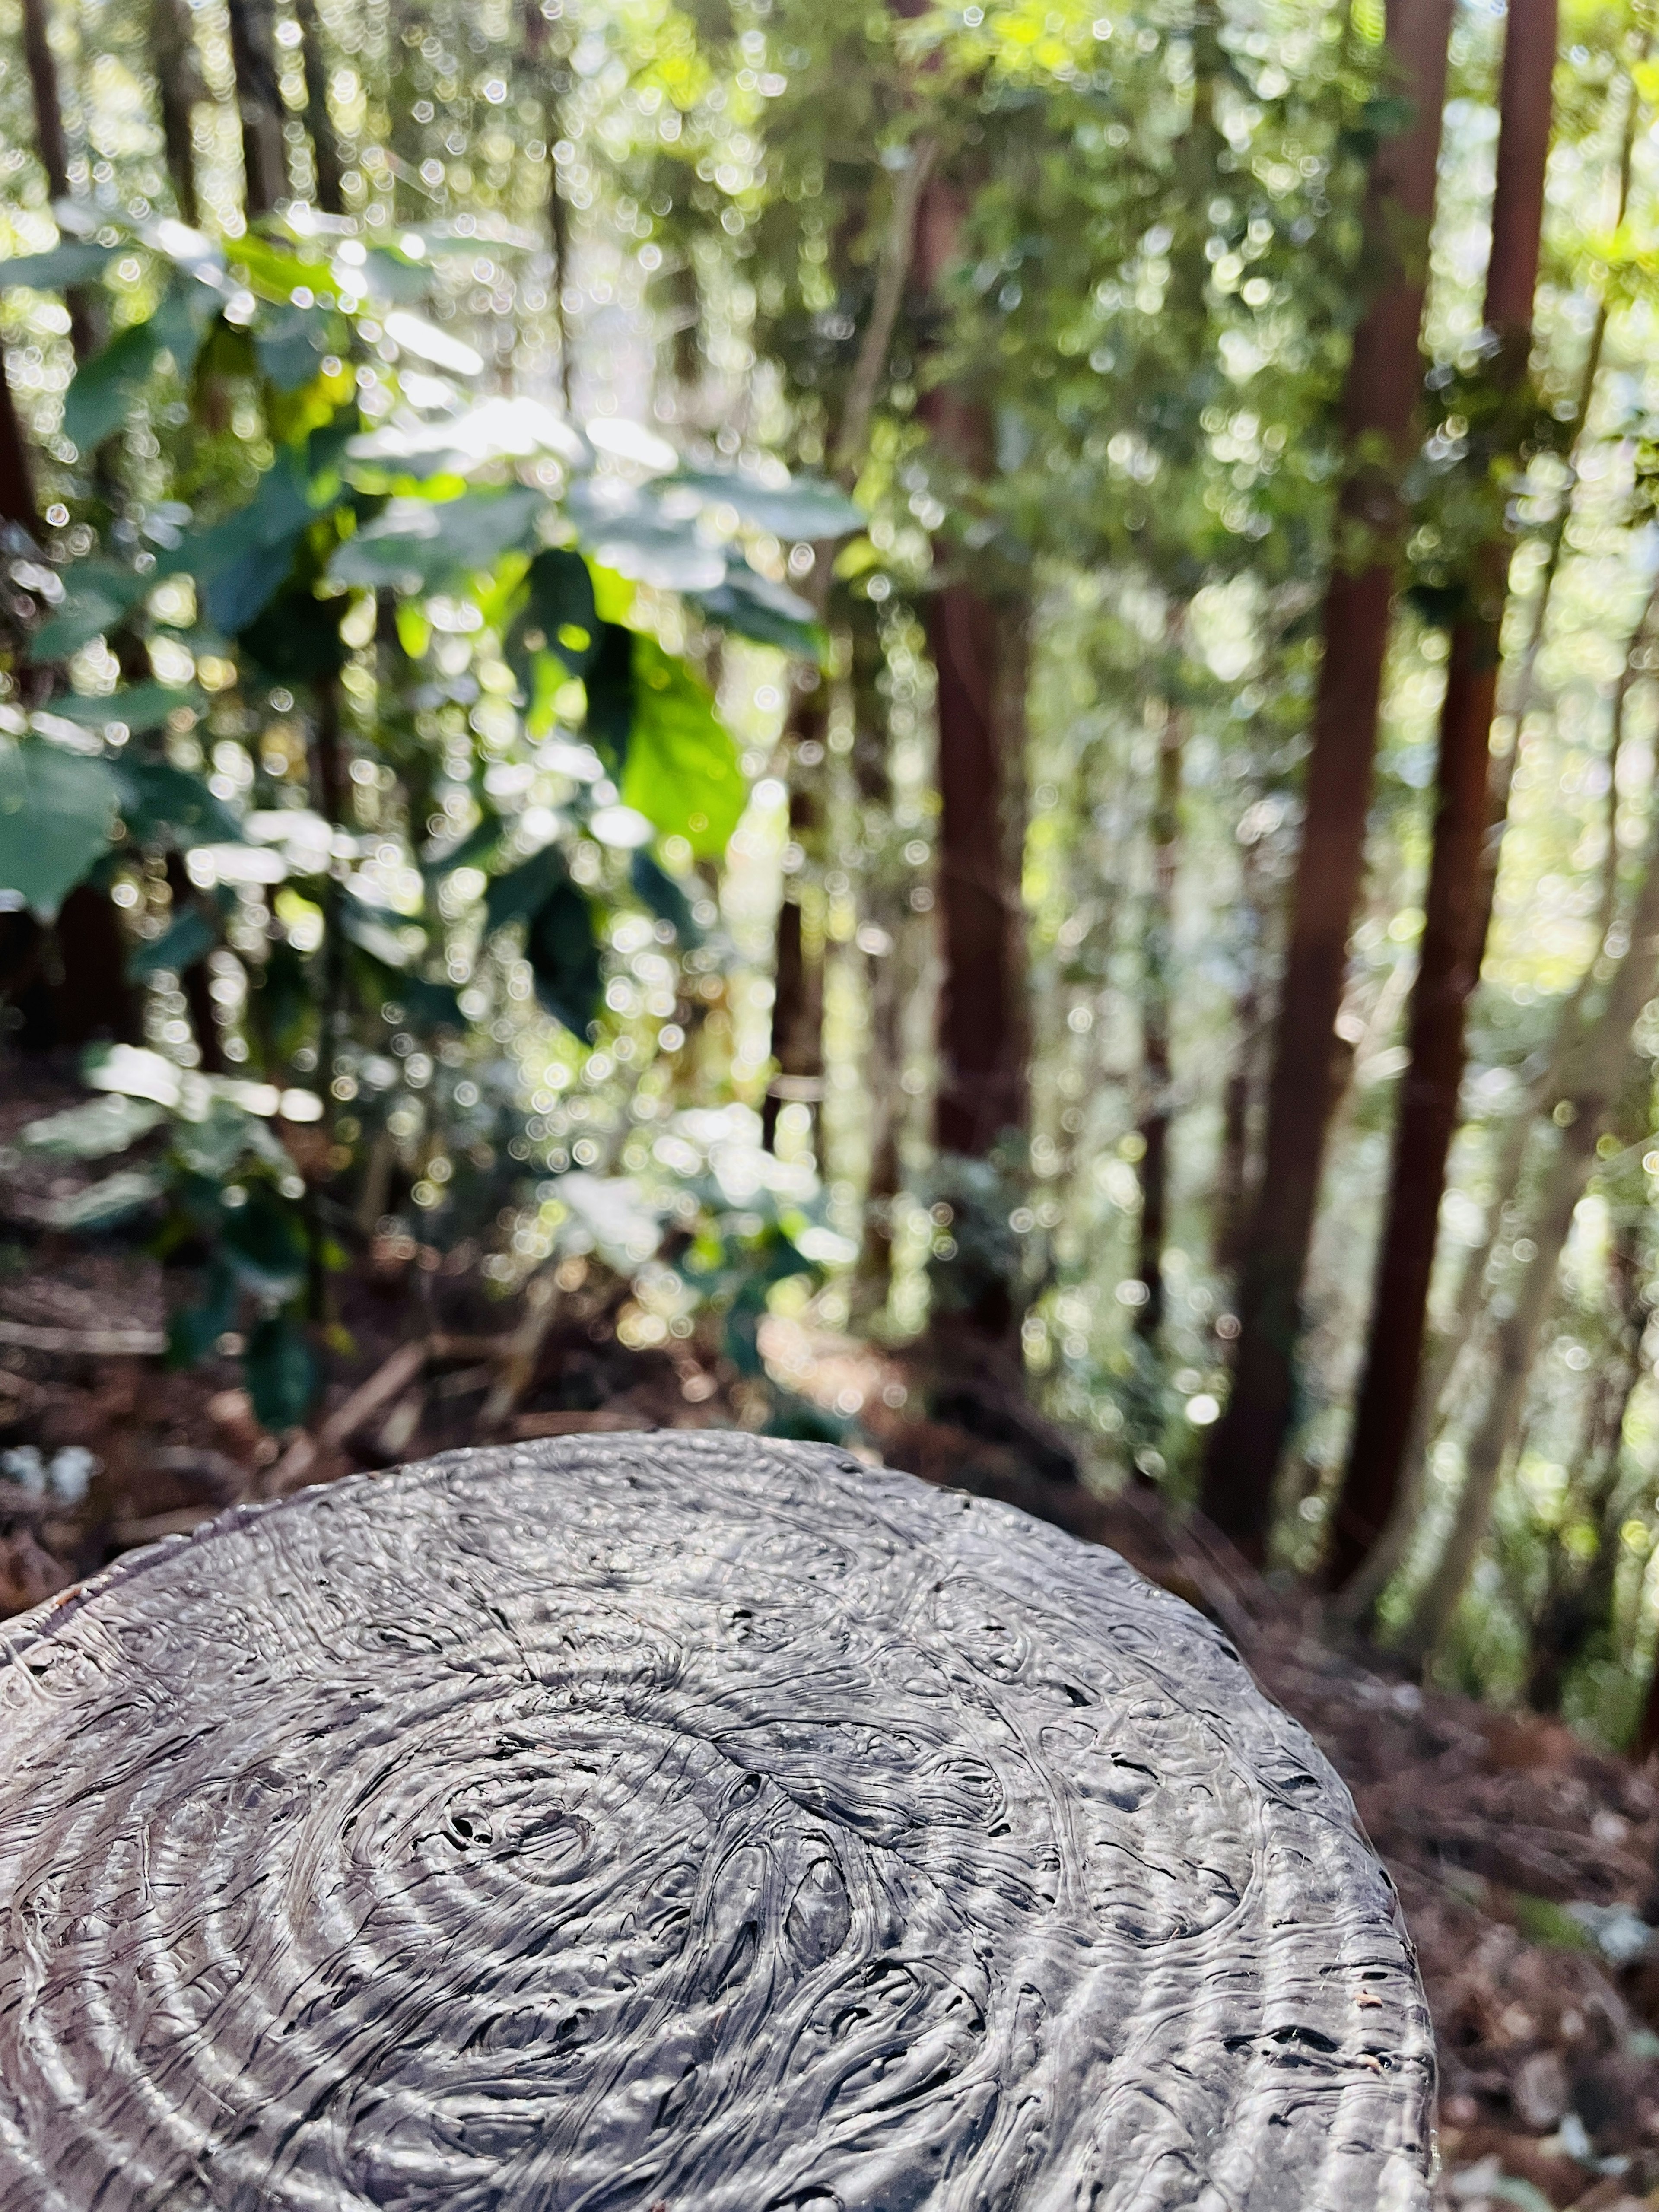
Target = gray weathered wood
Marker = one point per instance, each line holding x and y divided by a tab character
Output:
691	1824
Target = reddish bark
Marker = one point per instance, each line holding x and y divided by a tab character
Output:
1457	906
178	87
1381	401
1156	1011
977	648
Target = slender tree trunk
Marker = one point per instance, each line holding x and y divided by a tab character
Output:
178	86
259	97
1595	1069
1363	1589
1380	409
541	62
1455	911
17	477
797	965
1232	1178
52	143
1578	1604
1158	993
324	142
978	650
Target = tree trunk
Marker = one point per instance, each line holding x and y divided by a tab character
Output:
1158	991
1595	1069
1580	1593
178	85
797	963
259	100
53	145
325	144
1232	1176
1455	912
1380	408
540	63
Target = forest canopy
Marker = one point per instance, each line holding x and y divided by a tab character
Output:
972	685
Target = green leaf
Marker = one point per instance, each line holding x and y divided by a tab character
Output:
162	804
429	1007
281	1372
609	684
516	895
141	707
625	528
394	277
388	936
278	275
193	1332
93	1131
564	958
113	1200
184	941
74	261
289	343
97	596
416	545
805	508
264	1240
56	811
559	611
682	772
242	560
296	638
104	387
753	607
468	852
659	893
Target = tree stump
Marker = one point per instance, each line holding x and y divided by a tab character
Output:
689	1823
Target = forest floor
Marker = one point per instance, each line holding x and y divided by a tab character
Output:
1527	1863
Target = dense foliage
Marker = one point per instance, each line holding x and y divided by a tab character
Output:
479	685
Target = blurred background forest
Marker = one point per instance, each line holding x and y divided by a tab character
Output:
671	661
927	725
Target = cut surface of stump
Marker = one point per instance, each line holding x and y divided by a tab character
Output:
685	1823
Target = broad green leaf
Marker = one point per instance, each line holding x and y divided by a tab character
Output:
74	261
296	638
682	772
657	890
113	1200
162	804
516	895
414	545
805	508
56	811
104	387
290	343
558	615
430	1006
279	275
281	1372
469	851
97	596
753	607
609	683
264	1240
141	707
394	277
184	941
193	1332
391	938
564	958
92	1130
625	528
242	562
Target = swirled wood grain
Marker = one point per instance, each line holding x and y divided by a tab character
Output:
687	1823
